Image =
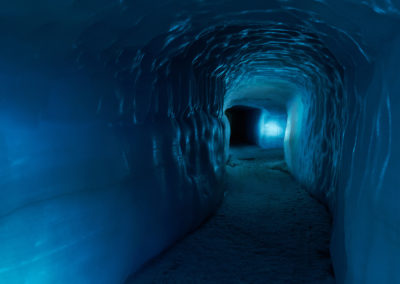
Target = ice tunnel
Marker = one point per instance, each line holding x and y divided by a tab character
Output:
114	133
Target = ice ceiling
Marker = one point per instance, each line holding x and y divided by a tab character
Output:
113	139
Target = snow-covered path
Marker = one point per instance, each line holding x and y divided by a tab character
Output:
268	230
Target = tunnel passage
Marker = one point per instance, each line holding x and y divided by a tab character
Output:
268	229
243	122
113	140
256	126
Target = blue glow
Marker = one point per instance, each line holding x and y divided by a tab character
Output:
271	128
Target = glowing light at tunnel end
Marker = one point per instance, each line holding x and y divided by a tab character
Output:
271	129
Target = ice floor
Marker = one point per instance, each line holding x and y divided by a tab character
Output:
268	230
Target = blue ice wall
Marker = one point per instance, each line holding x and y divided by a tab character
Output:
367	218
88	196
113	142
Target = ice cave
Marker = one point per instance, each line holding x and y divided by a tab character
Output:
199	141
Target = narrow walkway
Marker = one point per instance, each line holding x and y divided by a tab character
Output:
268	230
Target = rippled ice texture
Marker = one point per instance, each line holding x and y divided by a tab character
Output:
113	138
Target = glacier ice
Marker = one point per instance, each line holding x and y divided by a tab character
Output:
113	138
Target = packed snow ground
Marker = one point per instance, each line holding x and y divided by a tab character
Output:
267	230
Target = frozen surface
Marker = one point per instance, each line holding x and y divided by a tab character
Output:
112	129
88	203
268	230
271	130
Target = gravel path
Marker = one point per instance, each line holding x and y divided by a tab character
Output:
268	230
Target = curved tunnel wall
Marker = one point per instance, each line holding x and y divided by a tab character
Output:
113	139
